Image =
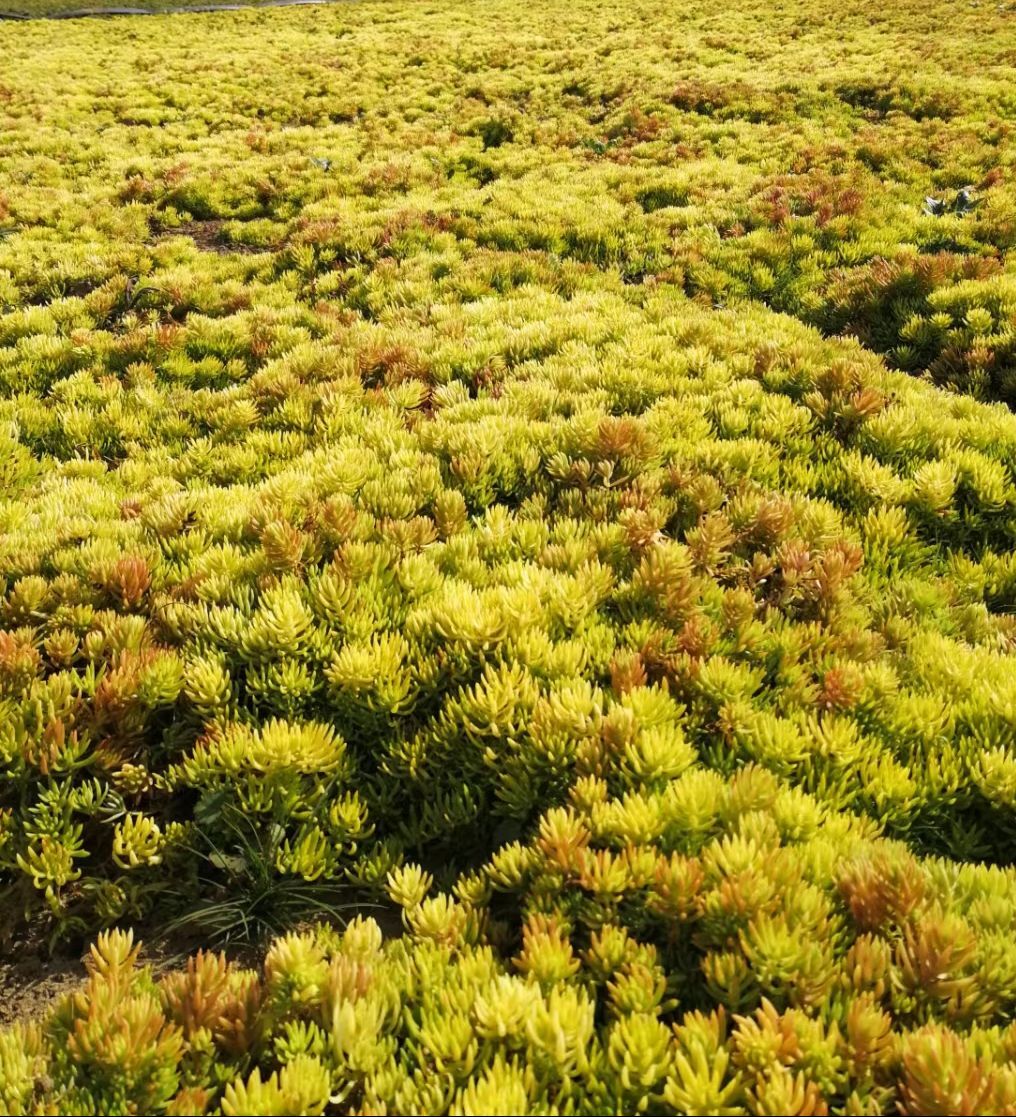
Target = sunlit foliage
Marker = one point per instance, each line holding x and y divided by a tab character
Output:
546	468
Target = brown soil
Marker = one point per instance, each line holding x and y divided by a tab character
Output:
208	236
30	985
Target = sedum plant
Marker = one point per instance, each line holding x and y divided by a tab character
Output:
549	475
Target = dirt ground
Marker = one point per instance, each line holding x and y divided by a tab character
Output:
30	984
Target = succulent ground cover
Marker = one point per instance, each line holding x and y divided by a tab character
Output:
544	471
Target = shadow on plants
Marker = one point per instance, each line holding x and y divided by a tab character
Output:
244	898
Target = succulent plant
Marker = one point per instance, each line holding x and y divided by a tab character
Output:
580	523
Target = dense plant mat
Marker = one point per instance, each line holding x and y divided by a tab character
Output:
545	472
